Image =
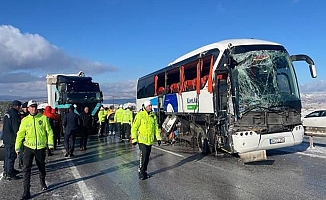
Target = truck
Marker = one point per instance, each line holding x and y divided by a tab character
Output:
78	90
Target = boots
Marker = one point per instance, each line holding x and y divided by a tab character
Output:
43	184
26	194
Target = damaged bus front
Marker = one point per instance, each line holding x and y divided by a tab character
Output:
263	101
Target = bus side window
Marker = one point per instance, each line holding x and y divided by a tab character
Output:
203	80
174	87
160	90
189	85
194	82
167	89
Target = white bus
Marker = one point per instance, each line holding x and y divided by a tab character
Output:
237	95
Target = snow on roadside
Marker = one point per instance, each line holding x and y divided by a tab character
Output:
317	151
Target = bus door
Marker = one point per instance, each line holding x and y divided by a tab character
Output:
220	107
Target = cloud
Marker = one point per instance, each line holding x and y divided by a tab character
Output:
27	90
19	77
121	90
25	52
26	58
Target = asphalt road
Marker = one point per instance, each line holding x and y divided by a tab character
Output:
108	170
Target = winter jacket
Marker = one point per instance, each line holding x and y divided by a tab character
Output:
53	119
118	115
71	121
127	116
101	116
11	122
86	119
145	128
35	131
111	116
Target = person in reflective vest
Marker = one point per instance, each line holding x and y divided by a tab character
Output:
143	132
36	134
127	118
101	119
118	120
111	124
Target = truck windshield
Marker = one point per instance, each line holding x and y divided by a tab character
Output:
73	97
264	79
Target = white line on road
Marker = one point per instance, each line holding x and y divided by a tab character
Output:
170	152
87	194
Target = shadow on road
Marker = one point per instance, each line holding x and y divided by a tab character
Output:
195	157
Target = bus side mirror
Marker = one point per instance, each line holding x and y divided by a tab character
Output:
302	57
313	71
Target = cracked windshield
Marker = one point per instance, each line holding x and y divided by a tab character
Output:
264	79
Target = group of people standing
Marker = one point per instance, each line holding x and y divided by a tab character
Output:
32	133
112	122
141	129
28	135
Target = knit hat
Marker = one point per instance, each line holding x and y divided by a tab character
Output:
16	103
147	103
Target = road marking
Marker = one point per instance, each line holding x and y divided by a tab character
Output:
87	194
167	151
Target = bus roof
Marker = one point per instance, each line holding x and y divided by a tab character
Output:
222	45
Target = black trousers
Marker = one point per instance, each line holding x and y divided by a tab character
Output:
119	129
145	151
29	155
111	128
21	156
56	138
70	139
10	157
126	128
84	136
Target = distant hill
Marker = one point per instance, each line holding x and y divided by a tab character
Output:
119	101
21	98
313	87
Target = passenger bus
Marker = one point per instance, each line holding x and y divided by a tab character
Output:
239	95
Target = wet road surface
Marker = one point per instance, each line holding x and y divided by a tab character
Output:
108	170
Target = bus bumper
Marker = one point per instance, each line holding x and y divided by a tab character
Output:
247	141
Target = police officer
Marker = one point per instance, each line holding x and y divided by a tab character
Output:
118	121
143	131
11	122
36	135
127	118
111	124
101	118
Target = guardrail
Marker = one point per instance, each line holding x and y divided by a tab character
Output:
314	132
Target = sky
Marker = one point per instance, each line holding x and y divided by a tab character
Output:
118	41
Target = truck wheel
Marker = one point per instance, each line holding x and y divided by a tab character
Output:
202	143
